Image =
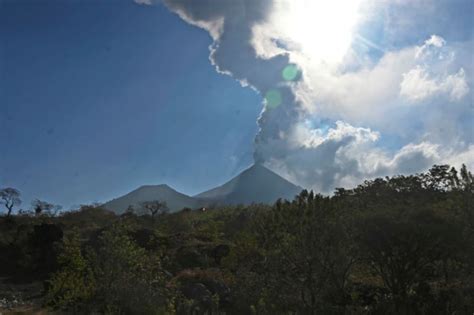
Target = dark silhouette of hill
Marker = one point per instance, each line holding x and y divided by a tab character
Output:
175	200
257	184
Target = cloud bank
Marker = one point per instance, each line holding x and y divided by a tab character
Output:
378	110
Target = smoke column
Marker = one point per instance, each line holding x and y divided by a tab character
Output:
230	24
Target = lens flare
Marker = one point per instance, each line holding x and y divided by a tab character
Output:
290	73
273	98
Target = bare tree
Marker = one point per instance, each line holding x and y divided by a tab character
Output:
10	197
155	207
40	206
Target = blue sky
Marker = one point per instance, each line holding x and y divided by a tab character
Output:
100	97
97	99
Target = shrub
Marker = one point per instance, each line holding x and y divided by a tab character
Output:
74	285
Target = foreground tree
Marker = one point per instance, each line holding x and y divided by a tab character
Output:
73	285
302	256
113	276
409	253
10	197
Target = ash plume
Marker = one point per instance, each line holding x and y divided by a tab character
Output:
322	129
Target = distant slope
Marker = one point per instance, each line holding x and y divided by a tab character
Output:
174	200
256	184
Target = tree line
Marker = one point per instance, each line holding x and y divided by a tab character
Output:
11	198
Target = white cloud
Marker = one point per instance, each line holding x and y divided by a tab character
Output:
360	97
346	155
436	41
381	95
465	156
421	83
456	85
417	85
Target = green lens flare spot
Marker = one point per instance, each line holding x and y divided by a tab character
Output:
290	73
273	98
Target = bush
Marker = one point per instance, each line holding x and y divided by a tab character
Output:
74	285
116	277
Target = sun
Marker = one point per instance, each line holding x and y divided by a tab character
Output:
320	29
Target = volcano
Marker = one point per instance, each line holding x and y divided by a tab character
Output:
257	184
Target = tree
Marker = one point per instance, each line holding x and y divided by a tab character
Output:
155	207
40	206
406	253
467	180
10	197
130	280
306	256
440	178
73	285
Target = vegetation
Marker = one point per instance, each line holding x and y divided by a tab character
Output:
10	197
155	207
398	245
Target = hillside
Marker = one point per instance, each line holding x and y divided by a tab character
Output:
174	199
236	259
257	184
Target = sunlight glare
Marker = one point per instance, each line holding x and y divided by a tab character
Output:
320	29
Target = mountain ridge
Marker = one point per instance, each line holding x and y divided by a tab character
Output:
256	184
